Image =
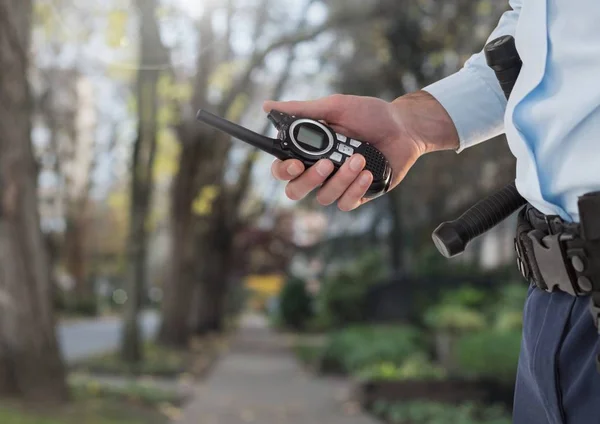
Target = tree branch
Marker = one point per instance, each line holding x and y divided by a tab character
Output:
205	60
230	12
246	174
341	20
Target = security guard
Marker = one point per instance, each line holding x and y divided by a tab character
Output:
552	122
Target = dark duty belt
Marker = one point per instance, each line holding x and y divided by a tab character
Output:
557	255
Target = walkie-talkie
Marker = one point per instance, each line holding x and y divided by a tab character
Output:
309	141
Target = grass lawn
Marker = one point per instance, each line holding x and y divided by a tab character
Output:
158	361
90	411
95	403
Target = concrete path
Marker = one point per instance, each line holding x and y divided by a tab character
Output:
259	381
82	339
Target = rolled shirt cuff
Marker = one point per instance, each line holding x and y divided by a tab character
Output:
476	106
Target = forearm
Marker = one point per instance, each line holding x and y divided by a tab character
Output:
425	121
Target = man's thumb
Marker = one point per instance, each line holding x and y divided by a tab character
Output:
320	109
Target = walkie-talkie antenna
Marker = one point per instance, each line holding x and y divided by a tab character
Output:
261	142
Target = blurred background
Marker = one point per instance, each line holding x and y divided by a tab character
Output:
151	269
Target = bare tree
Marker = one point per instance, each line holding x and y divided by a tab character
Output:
204	154
30	363
221	227
153	56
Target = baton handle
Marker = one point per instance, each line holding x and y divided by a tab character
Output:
451	238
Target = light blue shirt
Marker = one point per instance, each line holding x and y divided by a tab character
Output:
552	119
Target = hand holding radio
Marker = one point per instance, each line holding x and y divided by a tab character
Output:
402	131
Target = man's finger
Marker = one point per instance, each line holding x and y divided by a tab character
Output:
354	196
341	181
287	170
326	108
310	180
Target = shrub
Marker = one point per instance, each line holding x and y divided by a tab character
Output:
354	349
342	301
308	354
489	354
458	310
417	367
508	311
295	306
87	307
427	412
454	318
468	297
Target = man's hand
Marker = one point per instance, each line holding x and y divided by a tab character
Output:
402	130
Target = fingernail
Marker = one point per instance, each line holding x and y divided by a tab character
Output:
294	169
324	168
356	163
364	180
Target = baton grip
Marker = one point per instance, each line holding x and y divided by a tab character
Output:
451	238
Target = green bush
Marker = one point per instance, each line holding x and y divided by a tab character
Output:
295	306
354	349
342	300
454	318
508	310
427	412
489	354
468	297
417	367
308	354
87	307
458	310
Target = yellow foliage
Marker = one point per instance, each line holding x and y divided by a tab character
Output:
381	44
121	71
182	92
238	107
118	200
173	90
164	86
131	104
168	150
116	31
166	116
265	284
203	203
223	76
484	8
44	16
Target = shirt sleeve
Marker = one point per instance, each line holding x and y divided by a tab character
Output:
472	96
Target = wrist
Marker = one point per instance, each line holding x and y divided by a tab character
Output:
424	120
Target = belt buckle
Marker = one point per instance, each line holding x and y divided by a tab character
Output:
521	263
550	257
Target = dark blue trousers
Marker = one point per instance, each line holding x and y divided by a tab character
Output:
557	381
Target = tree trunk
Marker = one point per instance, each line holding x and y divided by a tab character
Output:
74	254
215	241
152	57
177	301
31	365
210	307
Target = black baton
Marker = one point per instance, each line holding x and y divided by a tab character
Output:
451	238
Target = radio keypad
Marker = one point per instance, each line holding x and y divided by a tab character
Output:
336	157
345	149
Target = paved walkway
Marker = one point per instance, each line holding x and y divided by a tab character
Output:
259	381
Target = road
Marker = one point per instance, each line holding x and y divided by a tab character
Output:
85	338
